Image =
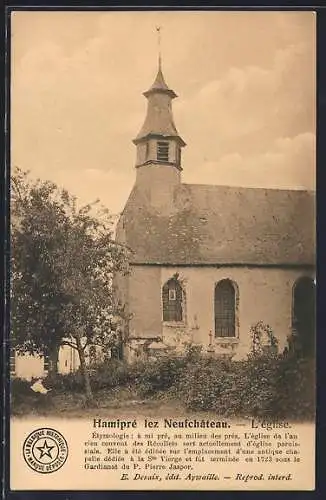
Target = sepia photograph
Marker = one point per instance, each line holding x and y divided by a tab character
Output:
163	274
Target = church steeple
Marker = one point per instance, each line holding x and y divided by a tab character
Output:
158	142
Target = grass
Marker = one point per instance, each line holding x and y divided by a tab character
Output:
107	403
118	402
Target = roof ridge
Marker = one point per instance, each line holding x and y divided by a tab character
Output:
245	188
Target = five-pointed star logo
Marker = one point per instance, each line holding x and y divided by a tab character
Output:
45	449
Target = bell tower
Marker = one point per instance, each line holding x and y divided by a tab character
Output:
159	145
158	142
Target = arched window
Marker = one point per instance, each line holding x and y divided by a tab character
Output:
172	296
303	313
224	309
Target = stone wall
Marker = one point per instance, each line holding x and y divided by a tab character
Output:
263	294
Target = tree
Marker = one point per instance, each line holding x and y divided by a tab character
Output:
63	260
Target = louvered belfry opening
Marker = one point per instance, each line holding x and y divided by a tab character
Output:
224	309
172	301
163	151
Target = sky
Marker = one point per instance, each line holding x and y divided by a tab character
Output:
246	105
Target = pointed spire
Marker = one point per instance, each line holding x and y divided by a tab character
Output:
159	84
159	120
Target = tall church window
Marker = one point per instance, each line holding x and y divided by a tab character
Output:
163	151
172	295
225	305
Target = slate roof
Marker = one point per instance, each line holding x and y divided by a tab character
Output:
160	85
222	225
159	120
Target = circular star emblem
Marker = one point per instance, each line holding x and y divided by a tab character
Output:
45	450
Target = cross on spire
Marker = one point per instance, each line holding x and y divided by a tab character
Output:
158	30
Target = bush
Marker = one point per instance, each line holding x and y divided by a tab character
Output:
265	386
212	384
160	375
296	388
263	340
71	382
110	374
260	387
147	377
192	353
20	387
23	398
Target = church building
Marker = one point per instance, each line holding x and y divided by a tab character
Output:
208	262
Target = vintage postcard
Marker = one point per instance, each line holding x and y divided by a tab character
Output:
162	250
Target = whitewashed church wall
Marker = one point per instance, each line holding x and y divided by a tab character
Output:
265	294
144	296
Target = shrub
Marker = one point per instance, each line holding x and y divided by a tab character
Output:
212	384
266	386
104	375
192	352
23	398
160	375
296	385
147	377
260	388
110	374
70	382
20	387
263	340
